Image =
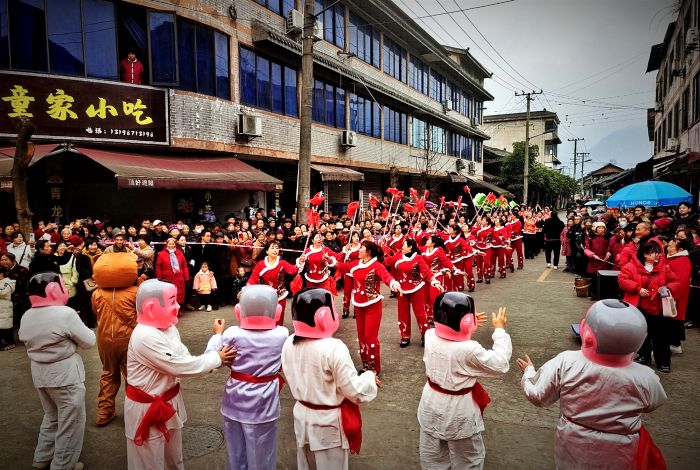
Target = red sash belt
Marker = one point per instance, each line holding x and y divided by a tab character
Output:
479	395
254	379
351	420
648	456
158	413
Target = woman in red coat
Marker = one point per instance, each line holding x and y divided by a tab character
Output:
678	260
441	267
270	271
596	249
643	280
171	266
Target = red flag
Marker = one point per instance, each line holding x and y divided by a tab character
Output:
426	194
490	198
352	209
442	200
467	190
409	208
318	199
420	205
451	204
459	202
391	191
312	218
398	195
413	193
373	201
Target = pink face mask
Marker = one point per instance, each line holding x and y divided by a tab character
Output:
327	323
589	346
160	311
467	327
56	295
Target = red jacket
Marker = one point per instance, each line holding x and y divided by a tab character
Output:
681	266
411	271
131	72
165	271
516	229
272	275
634	277
457	249
366	288
615	247
484	238
630	251
437	261
318	269
596	246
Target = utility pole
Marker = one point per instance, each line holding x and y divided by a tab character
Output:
307	82
526	170
584	155
575	141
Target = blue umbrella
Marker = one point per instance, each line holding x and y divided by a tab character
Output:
649	194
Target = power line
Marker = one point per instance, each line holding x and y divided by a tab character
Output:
623	64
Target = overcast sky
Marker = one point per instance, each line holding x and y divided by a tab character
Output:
575	51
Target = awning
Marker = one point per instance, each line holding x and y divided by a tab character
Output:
7	156
337	173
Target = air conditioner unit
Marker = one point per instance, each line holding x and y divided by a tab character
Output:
691	39
471	168
295	21
671	145
447	105
318	31
348	139
659	107
249	125
459	164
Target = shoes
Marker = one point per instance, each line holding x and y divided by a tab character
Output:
201	308
471	289
689	324
431	322
503	276
556	267
346	313
404	342
479	281
664	369
209	308
520	267
216	307
422	341
512	269
41	465
642	360
488	280
549	265
676	349
189	308
101	421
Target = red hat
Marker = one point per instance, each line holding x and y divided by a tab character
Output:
75	240
663	223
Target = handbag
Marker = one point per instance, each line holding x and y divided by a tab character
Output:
668	303
90	284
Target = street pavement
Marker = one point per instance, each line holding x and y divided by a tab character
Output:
541	305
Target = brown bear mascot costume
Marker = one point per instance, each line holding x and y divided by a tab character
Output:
114	304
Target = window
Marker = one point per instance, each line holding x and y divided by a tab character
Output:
65	37
161	27
100	32
437	139
418	135
203	59
281	7
333	20
419	75
477	150
437	86
460	146
477	109
28	35
550	148
686	108
267	84
221	66
394	125
364	40
364	116
328	104
394	59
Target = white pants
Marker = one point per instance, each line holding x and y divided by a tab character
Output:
156	453
335	458
251	446
63	427
462	454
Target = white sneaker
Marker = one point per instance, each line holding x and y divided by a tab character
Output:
549	265
208	308
676	349
201	308
556	267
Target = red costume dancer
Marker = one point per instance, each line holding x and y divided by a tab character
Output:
456	248
318	260
516	240
441	267
270	271
499	248
483	256
351	255
367	302
412	274
468	260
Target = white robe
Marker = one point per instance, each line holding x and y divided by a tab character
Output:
601	408
455	365
320	371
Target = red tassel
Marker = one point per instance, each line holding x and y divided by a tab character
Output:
352	424
296	284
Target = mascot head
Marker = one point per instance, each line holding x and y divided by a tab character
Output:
612	332
313	314
455	318
156	304
47	289
258	308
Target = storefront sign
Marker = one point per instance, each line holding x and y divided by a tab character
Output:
83	109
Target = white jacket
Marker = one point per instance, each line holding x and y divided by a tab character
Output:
23	252
7	287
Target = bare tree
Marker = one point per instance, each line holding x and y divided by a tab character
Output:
24	152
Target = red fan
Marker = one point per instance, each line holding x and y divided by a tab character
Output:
442	200
467	190
451	204
409	208
352	209
391	191
426	194
398	195
373	201
312	218
413	193
420	205
318	199
490	199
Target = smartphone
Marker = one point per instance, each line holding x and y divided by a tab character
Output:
31	237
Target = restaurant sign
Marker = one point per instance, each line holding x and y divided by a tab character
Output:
83	109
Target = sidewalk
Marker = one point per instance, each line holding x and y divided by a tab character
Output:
541	307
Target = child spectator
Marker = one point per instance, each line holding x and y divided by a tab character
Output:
239	282
204	285
7	288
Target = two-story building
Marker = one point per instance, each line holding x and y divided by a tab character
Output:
673	123
506	129
218	118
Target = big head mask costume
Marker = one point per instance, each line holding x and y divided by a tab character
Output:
47	289
313	314
258	308
454	316
156	304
